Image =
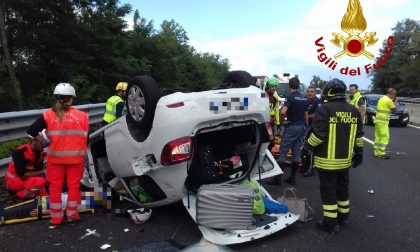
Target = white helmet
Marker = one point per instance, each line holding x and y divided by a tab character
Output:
140	215
64	89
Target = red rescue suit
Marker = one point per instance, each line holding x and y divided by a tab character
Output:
25	160
65	158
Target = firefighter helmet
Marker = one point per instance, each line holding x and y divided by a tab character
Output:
121	86
140	215
335	89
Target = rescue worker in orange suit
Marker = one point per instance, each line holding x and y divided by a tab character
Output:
67	129
25	176
336	140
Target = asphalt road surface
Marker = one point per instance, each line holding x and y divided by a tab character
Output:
387	220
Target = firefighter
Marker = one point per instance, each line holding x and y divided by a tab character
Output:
357	100
383	114
337	144
67	129
25	176
115	104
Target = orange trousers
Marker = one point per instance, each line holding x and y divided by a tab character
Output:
27	188
55	176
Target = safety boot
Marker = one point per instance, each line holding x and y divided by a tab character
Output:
291	180
332	229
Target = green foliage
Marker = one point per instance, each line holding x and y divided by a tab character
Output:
88	43
6	148
318	82
401	70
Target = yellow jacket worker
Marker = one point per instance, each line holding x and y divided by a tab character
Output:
383	114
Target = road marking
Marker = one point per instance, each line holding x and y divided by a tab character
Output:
413	126
369	141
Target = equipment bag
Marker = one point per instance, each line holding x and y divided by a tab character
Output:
258	207
297	205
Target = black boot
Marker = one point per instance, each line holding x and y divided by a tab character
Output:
276	180
291	179
332	229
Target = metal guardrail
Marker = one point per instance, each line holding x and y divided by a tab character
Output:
13	125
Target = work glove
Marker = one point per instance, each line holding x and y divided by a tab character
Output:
357	160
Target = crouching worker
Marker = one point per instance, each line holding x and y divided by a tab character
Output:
25	176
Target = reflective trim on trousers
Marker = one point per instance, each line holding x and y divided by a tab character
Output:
388	112
71	212
54	214
55	206
72	203
382	119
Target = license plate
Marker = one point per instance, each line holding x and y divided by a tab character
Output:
394	117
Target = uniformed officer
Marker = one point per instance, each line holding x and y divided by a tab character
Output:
294	116
357	100
337	144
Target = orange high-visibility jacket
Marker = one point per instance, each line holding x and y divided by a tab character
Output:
68	137
30	163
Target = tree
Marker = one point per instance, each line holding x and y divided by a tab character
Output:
401	67
318	82
14	87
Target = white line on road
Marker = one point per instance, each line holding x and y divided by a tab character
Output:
413	126
368	140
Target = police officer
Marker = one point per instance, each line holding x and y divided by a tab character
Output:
337	144
357	100
115	104
295	109
383	114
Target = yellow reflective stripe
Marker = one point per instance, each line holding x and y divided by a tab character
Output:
359	142
330	207
382	119
314	140
352	138
343	210
332	141
332	161
330	215
384	111
67	132
66	153
343	203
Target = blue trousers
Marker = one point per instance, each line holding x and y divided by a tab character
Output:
293	137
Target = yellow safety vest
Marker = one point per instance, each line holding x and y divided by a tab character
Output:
355	100
111	108
383	110
275	110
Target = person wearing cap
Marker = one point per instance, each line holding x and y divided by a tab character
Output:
67	129
115	104
25	177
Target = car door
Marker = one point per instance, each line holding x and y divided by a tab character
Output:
265	166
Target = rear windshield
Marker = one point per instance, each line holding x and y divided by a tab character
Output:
283	89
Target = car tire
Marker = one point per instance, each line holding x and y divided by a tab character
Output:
239	79
142	96
403	124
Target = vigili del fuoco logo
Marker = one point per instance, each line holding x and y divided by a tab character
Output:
354	43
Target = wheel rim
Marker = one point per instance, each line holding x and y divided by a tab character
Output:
136	103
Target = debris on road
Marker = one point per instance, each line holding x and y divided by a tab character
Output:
126	230
89	232
370	216
105	246
370	190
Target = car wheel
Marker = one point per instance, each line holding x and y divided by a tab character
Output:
404	124
142	96
238	79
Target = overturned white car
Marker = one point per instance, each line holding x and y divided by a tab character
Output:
185	145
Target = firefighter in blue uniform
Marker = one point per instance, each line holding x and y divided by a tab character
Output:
337	144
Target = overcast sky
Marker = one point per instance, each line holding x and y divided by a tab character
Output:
265	37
